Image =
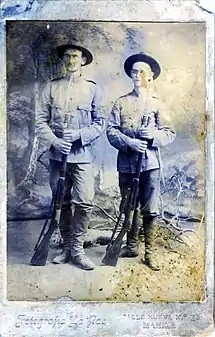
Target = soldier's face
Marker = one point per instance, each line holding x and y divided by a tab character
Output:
141	74
73	60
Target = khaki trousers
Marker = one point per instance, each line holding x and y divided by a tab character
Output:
79	191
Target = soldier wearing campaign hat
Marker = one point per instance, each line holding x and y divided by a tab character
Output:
79	99
127	134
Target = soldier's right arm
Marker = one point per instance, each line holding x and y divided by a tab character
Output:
117	138
43	118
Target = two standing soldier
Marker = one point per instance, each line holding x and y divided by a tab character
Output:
80	100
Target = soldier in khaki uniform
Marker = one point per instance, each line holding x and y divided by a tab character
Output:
78	99
126	134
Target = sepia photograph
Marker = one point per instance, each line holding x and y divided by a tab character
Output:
106	161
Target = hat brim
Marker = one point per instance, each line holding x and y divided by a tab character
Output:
86	53
141	57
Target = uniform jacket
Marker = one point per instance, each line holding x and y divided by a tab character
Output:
124	123
79	100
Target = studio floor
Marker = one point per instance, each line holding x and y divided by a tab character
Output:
181	277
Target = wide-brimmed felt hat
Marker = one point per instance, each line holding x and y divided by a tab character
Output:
60	50
141	57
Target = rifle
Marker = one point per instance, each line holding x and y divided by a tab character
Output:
114	247
42	246
113	250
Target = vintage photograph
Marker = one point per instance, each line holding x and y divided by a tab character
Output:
105	161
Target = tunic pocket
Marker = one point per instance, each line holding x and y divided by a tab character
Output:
128	125
84	115
57	117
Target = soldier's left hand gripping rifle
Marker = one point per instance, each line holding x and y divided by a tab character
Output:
41	248
113	249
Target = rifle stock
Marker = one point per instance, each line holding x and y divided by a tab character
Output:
112	253
39	258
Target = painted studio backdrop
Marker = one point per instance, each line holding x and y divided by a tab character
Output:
31	62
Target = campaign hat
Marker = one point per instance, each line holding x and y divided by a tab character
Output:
60	50
142	57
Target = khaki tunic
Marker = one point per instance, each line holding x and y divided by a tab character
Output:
80	101
124	124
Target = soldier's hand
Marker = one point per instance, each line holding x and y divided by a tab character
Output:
138	145
62	146
146	133
71	135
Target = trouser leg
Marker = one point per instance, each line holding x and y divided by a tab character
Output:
80	224
150	230
149	199
82	198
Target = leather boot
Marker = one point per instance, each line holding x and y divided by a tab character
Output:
150	228
65	230
82	262
64	257
79	230
131	249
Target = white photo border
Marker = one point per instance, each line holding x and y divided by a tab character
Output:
103	318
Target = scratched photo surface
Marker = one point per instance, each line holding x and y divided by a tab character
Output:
32	62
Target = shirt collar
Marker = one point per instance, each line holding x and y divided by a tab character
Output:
133	93
74	79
